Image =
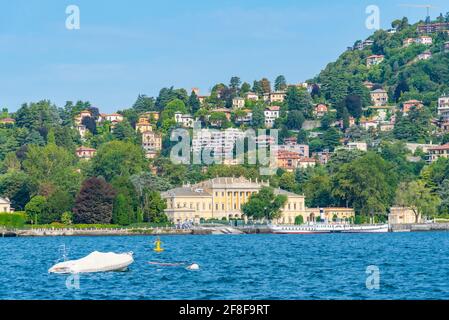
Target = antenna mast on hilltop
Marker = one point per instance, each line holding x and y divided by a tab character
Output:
427	6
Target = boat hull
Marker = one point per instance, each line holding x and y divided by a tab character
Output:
324	228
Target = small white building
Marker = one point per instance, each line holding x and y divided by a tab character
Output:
252	96
82	130
374	60
368	124
426	55
278	96
186	120
246	119
238	103
443	107
5	205
362	146
426	40
271	114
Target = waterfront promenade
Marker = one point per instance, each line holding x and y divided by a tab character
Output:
197	230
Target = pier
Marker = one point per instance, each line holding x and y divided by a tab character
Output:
416	227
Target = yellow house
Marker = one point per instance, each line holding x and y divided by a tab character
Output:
223	197
216	198
143	125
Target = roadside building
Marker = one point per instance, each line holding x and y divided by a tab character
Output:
152	116
82	130
151	143
408	105
290	161
252	96
412	147
433	27
185	120
85	153
238	103
5	205
227	112
320	110
446	46
7	121
83	114
443	107
331	214
271	114
438	152
426	40
382	113
322	156
291	145
386	126
426	55
379	97
402	215
369	85
277	96
143	125
374	60
245	119
408	41
369	124
362	146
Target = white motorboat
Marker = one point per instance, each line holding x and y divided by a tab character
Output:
95	262
328	228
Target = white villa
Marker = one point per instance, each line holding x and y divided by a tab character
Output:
5	205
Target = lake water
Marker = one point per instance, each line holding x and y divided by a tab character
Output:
332	266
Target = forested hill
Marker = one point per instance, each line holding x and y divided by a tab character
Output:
401	72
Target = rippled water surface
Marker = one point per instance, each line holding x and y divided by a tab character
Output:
333	266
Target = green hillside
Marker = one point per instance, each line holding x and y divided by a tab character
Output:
399	73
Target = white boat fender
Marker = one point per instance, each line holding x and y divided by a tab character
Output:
193	266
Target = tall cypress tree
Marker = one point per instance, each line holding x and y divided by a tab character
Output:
194	103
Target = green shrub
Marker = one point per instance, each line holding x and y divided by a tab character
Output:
299	220
13	220
67	218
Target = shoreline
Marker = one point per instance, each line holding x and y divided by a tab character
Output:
217	230
210	230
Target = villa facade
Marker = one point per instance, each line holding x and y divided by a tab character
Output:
222	198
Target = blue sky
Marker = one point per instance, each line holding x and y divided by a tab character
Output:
129	47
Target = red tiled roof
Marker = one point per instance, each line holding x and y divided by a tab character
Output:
442	147
85	149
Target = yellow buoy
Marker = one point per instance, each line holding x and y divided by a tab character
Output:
158	243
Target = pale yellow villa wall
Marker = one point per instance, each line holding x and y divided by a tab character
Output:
185	208
223	198
5	206
401	215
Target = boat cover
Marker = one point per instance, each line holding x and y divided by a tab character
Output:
95	262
